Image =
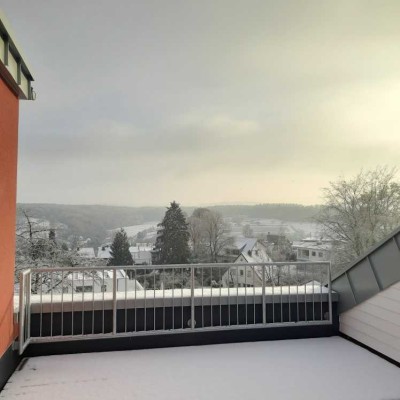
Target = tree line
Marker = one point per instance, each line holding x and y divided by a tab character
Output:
202	237
94	221
357	213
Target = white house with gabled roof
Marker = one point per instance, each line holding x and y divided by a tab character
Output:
252	251
104	252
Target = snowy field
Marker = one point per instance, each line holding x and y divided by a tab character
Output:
291	229
133	230
309	369
258	226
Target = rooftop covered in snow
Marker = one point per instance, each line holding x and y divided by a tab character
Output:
310	369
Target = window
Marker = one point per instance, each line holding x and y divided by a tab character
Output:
104	288
313	253
249	274
320	254
84	289
306	253
241	272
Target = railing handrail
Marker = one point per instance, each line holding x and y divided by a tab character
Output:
252	297
178	266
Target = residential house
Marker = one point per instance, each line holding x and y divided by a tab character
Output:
251	246
104	252
251	251
15	85
86	252
141	253
313	249
98	281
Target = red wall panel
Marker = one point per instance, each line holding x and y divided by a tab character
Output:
8	187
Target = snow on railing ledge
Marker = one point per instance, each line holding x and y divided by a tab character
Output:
61	304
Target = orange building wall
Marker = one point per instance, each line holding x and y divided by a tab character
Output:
8	186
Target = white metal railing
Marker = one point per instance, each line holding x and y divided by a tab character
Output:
63	304
24	309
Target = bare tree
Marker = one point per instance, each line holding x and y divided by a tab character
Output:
209	235
247	231
359	212
37	247
216	233
196	237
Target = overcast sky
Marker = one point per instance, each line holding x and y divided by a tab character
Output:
145	102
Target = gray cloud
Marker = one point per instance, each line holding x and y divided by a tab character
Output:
143	102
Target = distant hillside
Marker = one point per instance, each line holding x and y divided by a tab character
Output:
93	220
283	212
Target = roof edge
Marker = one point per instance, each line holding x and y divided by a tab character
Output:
15	69
375	247
371	273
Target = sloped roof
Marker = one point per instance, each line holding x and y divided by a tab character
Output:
254	260
104	253
248	258
87	252
312	245
101	274
245	244
371	273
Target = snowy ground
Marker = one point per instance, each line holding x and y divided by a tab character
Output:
326	368
133	230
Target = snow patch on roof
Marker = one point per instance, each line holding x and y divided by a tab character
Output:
303	369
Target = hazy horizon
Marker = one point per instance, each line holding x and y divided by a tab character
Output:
140	103
168	203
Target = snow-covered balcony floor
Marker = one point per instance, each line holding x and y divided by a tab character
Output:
326	368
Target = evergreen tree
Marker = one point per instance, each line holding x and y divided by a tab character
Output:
120	254
172	245
52	235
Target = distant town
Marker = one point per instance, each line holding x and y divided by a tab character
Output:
240	240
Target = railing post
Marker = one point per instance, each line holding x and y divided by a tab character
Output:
264	307
28	305
114	318
330	292
21	313
192	320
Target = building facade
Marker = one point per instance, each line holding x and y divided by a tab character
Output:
370	298
15	85
141	253
313	249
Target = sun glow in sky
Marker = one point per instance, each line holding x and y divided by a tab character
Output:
143	102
